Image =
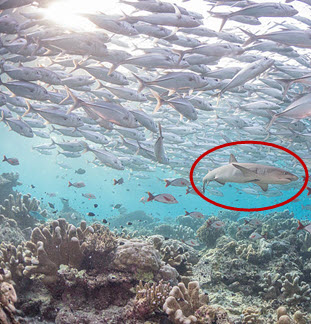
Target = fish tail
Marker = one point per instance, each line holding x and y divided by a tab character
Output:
187	191
69	184
180	53
142	83
309	191
30	108
167	183
224	18
285	83
186	213
160	101
114	67
76	66
115	182
2	116
86	147
76	101
300	225
252	37
272	121
150	196
4	158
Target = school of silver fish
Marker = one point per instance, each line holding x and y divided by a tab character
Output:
158	85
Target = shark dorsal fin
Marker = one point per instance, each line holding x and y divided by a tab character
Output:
246	172
263	186
232	159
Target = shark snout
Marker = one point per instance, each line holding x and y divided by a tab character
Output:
291	177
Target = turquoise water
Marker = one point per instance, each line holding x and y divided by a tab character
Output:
47	177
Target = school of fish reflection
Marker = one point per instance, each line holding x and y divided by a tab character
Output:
83	84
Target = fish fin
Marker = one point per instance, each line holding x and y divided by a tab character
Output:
263	186
150	196
160	130
76	101
232	159
174	31
222	16
142	83
246	172
30	108
309	191
180	53
275	116
285	83
76	66
177	11
171	92
252	37
300	225
160	101
114	67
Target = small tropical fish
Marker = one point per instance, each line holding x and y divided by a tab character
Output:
32	186
164	198
304	227
105	221
197	215
117	206
309	191
51	205
218	224
245	228
253	221
90	214
88	196
129	223
256	236
36	215
51	194
95	205
12	161
179	182
76	184
80	171
119	182
191	242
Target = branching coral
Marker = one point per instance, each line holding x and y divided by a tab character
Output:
19	209
13	261
176	254
294	290
150	298
61	244
7	299
183	302
7	182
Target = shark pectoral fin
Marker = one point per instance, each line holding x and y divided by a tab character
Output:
246	172
222	183
263	186
232	159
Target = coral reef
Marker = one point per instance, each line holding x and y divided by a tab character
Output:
175	231
189	221
182	303
20	208
207	234
7	182
51	246
137	217
149	298
7	299
177	254
10	232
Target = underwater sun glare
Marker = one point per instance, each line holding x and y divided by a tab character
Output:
68	13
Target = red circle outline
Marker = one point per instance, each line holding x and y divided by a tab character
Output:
257	143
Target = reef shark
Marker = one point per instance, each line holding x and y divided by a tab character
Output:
260	174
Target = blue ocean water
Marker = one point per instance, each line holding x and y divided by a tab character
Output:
42	172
